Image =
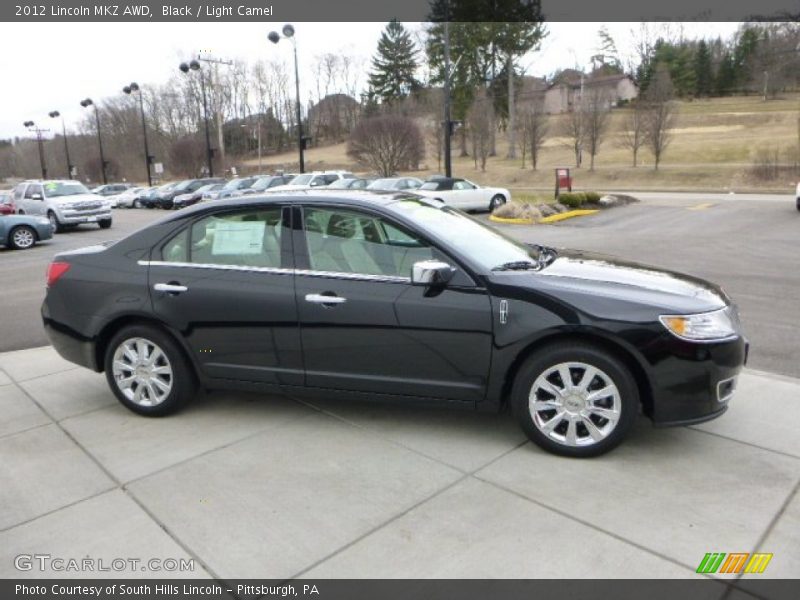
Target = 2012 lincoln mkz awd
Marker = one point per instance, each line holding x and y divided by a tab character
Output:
394	296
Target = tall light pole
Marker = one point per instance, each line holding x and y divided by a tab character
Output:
85	103
54	115
448	122
132	89
275	37
194	65
31	126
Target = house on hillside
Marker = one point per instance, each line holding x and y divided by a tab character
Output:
565	91
333	117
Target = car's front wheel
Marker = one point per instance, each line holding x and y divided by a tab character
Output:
22	237
57	227
104	223
497	200
575	399
147	371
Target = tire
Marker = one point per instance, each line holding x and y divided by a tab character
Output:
148	392
104	223
22	237
137	203
497	200
565	429
797	202
57	227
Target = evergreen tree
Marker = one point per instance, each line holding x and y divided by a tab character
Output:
394	67
725	81
702	69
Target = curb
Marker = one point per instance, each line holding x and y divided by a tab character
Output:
568	215
511	221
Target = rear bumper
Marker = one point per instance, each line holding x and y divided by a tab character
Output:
69	344
694	383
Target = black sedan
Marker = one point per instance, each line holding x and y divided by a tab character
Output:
358	294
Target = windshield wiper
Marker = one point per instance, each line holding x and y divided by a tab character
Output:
517	265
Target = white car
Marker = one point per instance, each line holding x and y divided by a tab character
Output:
306	181
463	194
126	198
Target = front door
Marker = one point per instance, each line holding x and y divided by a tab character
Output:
226	283
364	327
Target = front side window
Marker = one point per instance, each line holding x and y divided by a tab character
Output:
33	189
344	241
243	239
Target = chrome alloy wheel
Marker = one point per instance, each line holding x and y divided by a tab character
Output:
142	372
23	238
575	404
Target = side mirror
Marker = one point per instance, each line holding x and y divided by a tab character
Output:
36	196
431	273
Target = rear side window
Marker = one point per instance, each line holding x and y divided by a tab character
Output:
243	239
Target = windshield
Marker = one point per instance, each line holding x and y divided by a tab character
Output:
480	243
166	187
381	184
301	180
232	184
430	185
342	184
183	185
261	184
56	189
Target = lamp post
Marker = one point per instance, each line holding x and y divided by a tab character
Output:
275	37
54	115
85	103
31	126
194	65
132	89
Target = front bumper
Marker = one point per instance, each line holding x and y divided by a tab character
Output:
92	216
693	382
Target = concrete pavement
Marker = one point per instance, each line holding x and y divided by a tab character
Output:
254	486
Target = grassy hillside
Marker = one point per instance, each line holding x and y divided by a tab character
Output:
713	146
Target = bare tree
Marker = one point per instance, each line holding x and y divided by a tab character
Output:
597	113
633	132
480	122
387	144
534	126
660	113
572	128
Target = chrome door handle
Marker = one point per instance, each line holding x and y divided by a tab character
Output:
170	288
322	299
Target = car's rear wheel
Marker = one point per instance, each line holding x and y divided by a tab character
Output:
147	371
22	237
575	399
57	227
137	203
497	200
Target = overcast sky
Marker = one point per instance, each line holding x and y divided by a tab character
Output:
52	66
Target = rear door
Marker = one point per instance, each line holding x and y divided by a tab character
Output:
226	283
365	328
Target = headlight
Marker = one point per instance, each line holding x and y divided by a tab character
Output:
704	327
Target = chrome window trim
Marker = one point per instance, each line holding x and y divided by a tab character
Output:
353	276
278	270
185	265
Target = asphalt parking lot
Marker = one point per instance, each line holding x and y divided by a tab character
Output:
270	487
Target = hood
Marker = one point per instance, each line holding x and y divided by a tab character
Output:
601	277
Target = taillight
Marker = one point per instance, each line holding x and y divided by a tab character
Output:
55	271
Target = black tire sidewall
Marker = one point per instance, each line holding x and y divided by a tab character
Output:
575	352
183	384
105	223
58	227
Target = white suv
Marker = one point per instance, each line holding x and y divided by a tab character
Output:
64	202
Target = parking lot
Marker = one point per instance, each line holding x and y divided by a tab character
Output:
271	487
